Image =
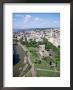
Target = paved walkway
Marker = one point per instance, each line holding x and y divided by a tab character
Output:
29	60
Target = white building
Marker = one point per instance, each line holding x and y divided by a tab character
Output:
19	37
42	51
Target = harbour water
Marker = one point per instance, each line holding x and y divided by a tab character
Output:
15	55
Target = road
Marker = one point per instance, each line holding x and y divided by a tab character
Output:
29	59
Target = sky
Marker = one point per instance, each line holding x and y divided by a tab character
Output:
35	20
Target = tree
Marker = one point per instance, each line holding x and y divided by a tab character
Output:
32	43
45	41
58	46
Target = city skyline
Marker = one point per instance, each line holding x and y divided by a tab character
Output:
35	20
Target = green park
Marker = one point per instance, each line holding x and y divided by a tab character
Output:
43	66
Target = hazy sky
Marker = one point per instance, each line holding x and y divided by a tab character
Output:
35	20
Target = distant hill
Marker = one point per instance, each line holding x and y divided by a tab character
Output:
30	29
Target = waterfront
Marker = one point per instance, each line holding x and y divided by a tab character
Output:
15	55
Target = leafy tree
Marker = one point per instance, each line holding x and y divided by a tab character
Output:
45	41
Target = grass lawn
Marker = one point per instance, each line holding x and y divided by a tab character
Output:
28	74
43	65
58	65
16	67
35	58
26	71
33	53
47	74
